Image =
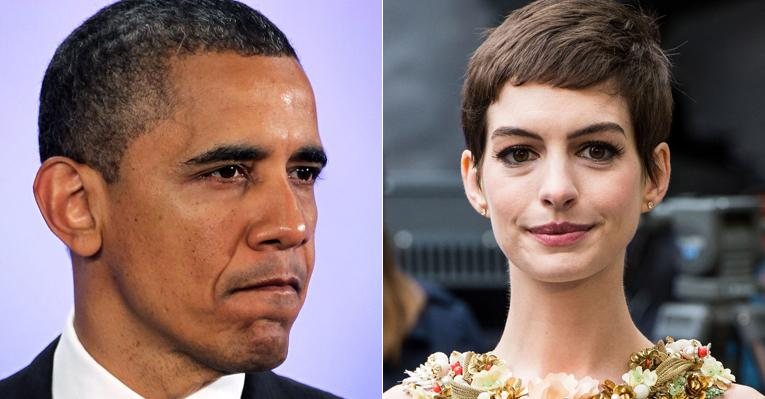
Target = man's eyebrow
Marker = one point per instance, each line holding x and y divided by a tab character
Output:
587	130
229	152
313	154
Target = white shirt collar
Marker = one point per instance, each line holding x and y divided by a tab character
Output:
76	375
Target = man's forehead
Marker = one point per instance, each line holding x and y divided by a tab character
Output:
196	72
227	100
217	82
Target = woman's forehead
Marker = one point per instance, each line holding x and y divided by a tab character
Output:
545	109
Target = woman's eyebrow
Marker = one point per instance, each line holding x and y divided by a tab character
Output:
599	127
515	131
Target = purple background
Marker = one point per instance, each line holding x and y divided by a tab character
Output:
336	340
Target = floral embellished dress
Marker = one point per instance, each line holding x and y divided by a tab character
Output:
682	369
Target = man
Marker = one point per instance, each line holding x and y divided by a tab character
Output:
180	147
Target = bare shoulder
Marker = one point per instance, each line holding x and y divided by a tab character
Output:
737	391
398	392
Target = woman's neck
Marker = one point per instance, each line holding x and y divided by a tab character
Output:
582	328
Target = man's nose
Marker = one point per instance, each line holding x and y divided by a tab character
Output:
283	223
558	186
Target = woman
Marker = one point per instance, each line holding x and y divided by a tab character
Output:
566	109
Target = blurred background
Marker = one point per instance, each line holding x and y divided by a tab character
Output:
694	268
339	45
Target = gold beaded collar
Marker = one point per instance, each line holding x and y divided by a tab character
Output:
682	369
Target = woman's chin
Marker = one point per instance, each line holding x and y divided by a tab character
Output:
558	271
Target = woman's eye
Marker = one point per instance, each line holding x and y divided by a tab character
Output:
229	172
305	174
599	152
517	155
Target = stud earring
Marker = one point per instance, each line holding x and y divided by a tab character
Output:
651	205
484	212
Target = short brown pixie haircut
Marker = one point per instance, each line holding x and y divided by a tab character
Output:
574	44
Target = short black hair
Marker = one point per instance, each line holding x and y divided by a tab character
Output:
108	80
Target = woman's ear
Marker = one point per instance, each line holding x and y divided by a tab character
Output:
656	188
470	180
67	194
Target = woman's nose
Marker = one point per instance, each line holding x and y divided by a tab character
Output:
558	187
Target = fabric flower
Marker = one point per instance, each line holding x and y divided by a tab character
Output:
638	376
514	388
640	380
696	386
676	386
714	369
562	385
493	395
483	362
684	348
430	373
609	390
491	379
648	358
439	363
422	375
460	357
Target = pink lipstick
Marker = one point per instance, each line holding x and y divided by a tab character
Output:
560	234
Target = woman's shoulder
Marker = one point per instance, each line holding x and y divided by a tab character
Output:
736	391
398	392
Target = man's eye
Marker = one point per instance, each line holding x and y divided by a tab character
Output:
229	172
305	174
599	152
517	155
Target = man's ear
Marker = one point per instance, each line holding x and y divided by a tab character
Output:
656	188
470	181
67	193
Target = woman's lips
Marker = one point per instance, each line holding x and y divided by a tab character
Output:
560	234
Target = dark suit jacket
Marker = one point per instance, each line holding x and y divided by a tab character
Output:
34	382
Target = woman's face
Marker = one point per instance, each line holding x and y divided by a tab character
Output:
561	180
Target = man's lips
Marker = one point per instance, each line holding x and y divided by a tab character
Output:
271	284
558	234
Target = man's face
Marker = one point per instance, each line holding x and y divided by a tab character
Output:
209	230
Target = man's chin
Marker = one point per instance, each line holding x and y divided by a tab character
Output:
263	347
266	353
260	363
266	356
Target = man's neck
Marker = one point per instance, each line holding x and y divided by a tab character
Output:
143	361
582	328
